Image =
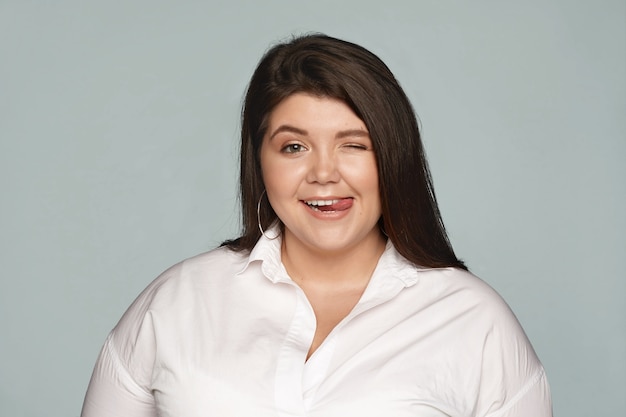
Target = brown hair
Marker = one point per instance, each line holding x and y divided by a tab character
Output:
329	67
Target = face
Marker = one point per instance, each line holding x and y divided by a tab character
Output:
320	174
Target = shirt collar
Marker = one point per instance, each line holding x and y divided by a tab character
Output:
267	252
391	266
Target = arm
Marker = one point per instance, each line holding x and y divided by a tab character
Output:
112	390
122	378
532	401
512	380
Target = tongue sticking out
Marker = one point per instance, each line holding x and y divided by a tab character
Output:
341	205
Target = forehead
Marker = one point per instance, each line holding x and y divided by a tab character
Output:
307	111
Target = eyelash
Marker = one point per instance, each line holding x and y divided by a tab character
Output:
357	146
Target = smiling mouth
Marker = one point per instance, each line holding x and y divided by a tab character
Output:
329	205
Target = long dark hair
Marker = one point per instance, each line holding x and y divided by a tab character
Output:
329	67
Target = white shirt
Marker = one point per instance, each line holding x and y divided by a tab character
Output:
227	334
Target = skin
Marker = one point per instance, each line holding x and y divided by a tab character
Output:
317	150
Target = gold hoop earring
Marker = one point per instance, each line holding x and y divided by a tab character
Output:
258	218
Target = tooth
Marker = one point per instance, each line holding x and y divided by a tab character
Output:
317	203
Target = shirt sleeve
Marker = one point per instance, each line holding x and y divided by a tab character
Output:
121	383
533	401
113	391
513	380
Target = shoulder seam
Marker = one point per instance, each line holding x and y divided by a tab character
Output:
119	364
538	377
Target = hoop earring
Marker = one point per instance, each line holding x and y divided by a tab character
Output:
258	218
381	227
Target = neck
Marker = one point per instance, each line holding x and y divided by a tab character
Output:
350	267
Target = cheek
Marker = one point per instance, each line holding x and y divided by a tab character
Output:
273	184
268	170
364	178
363	175
280	179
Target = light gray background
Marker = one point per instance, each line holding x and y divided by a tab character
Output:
118	126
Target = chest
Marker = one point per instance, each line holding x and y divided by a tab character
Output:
329	308
255	363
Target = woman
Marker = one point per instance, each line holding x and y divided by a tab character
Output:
343	296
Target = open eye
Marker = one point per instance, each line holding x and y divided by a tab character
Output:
293	148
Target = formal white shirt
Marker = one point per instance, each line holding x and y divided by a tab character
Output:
227	334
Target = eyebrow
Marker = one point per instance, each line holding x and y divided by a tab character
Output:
340	135
288	129
359	133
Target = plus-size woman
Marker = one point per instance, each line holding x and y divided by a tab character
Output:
342	296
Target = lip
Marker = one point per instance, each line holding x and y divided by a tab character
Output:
333	198
325	197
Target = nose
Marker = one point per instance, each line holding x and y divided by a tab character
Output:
323	168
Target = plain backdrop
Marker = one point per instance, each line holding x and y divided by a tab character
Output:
118	156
